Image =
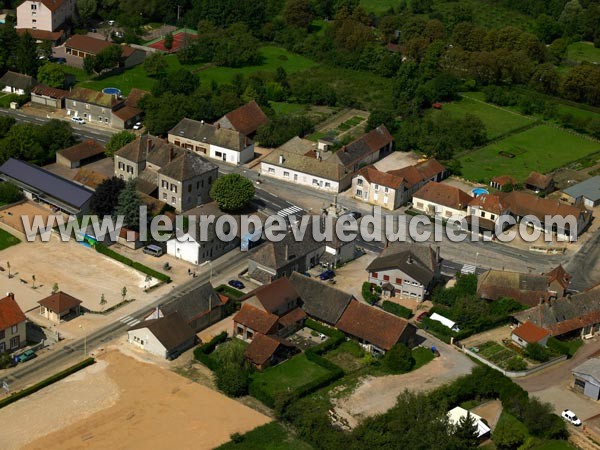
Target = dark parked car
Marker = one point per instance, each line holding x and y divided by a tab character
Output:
236	284
58	60
327	275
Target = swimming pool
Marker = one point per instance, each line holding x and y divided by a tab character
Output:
479	191
111	91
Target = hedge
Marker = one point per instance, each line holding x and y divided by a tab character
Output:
369	296
47	382
397	310
101	248
202	352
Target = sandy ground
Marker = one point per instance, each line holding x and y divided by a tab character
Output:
11	216
397	160
154	408
69	401
490	411
375	395
350	277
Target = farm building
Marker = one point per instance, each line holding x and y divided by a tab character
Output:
587	192
587	378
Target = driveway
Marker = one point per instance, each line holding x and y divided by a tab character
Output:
559	374
376	395
562	397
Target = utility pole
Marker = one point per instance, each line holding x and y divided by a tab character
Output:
178	8
84	342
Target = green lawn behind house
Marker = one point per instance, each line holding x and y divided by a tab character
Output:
542	148
583	51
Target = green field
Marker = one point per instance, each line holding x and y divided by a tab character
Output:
488	14
273	57
7	240
583	51
497	121
379	7
289	375
284	108
272	436
543	148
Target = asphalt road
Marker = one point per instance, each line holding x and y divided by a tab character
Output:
82	132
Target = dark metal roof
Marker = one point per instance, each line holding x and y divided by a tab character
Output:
45	182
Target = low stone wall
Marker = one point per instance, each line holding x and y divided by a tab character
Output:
509	373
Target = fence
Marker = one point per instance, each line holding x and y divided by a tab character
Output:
509	373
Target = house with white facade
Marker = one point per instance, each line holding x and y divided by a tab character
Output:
212	141
441	200
168	336
46	15
488	209
17	83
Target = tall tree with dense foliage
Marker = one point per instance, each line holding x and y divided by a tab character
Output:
298	13
26	55
9	193
118	141
52	75
86	10
155	64
129	205
232	192
106	197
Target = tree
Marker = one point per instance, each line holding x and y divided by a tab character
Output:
86	9
177	82
464	436
8	267
537	352
9	193
102	300
6	123
129	205
232	370
26	55
168	41
118	141
89	62
298	13
52	75
155	64
106	197
124	292
55	288
232	192
33	281
509	434
399	359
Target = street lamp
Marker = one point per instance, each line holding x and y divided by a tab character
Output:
476	258
84	341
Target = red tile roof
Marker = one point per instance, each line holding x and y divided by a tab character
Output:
94	46
52	5
292	317
248	118
443	194
255	319
539	180
503	180
559	274
372	175
10	312
523	204
60	302
83	150
489	202
530	333
373	325
263	347
276	295
41	35
47	91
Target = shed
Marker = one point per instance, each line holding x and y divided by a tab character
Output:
80	154
587	191
59	306
48	96
529	333
587	378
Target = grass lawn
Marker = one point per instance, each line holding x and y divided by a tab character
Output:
272	436
487	13
583	51
348	356
422	356
229	291
571	346
273	57
289	375
379	7
284	108
7	240
497	121
542	148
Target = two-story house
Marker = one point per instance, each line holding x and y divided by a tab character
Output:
212	141
92	106
484	212
272	309
441	200
13	330
246	119
394	188
405	269
45	15
181	178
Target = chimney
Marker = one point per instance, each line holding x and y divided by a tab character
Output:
281	159
218	126
344	148
171	153
11	295
437	254
410	258
148	143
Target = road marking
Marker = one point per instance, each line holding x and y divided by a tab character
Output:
289	211
128	320
468	268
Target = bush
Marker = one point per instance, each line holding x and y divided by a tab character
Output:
397	309
516	364
9	193
202	352
399	359
537	352
368	294
7	100
5	361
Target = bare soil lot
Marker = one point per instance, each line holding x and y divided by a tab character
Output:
11	216
153	408
78	270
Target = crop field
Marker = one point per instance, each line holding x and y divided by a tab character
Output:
542	148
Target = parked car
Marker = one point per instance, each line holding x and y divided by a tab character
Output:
138	126
26	355
153	250
236	284
58	60
421	316
570	416
327	275
78	120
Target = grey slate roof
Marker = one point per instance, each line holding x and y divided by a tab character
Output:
17	80
319	300
364	146
45	182
211	134
589	189
186	167
194	303
171	331
591	368
417	261
273	254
